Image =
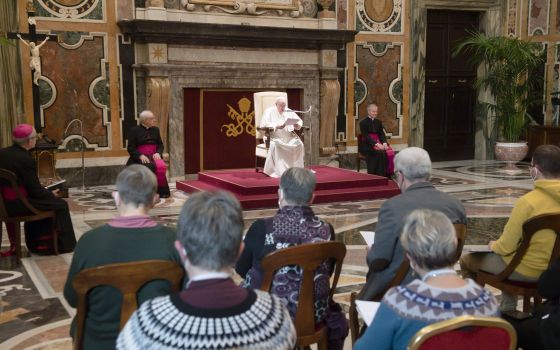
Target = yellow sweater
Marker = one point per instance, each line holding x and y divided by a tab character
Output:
545	198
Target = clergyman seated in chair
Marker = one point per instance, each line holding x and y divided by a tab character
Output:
413	169
286	149
293	224
430	242
145	146
373	144
19	161
131	236
212	312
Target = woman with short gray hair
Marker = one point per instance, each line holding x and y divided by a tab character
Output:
430	242
294	224
212	312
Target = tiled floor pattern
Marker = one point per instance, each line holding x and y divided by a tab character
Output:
34	315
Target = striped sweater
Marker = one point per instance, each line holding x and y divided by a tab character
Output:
260	322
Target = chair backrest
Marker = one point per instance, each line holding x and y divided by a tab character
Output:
8	179
128	278
308	257
461	232
262	101
530	227
466	332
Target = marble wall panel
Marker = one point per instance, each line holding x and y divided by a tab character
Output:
70	9
342	14
512	16
80	91
379	70
538	17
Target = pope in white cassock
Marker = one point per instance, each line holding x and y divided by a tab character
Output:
286	149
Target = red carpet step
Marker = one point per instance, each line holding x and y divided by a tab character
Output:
257	190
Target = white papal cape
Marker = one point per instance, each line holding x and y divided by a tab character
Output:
286	149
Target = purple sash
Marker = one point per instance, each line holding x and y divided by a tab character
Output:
390	154
161	168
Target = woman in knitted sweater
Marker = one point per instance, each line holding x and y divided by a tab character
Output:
212	312
429	239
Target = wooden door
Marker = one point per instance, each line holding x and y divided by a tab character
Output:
449	119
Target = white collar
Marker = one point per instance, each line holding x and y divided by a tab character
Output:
209	276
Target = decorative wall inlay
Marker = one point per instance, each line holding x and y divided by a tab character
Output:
379	67
78	79
309	8
512	17
292	8
72	9
342	14
379	15
538	17
72	40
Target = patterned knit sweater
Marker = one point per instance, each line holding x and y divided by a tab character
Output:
407	309
259	322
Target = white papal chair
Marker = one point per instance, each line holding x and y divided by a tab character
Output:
262	101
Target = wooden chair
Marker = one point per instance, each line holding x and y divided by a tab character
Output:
308	257
466	332
128	278
528	290
8	179
460	231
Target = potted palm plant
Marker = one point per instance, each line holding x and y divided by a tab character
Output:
509	66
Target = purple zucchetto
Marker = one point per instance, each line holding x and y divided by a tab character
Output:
22	131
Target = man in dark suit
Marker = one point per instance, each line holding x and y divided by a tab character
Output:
17	159
373	142
413	169
145	147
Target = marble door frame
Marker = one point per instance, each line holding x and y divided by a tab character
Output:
491	22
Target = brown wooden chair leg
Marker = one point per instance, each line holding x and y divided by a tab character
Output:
17	237
55	237
526	303
353	318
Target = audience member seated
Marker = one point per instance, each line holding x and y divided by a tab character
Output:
430	242
541	330
146	147
545	198
17	159
294	224
132	236
212	312
372	142
413	169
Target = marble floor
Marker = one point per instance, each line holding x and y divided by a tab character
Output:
34	314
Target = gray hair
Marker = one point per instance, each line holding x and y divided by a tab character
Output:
22	141
298	185
137	185
280	99
210	228
430	239
414	163
145	115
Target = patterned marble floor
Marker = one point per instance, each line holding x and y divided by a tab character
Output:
34	314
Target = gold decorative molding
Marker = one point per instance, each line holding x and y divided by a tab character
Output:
329	94
157	92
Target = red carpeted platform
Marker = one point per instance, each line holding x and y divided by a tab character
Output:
256	190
